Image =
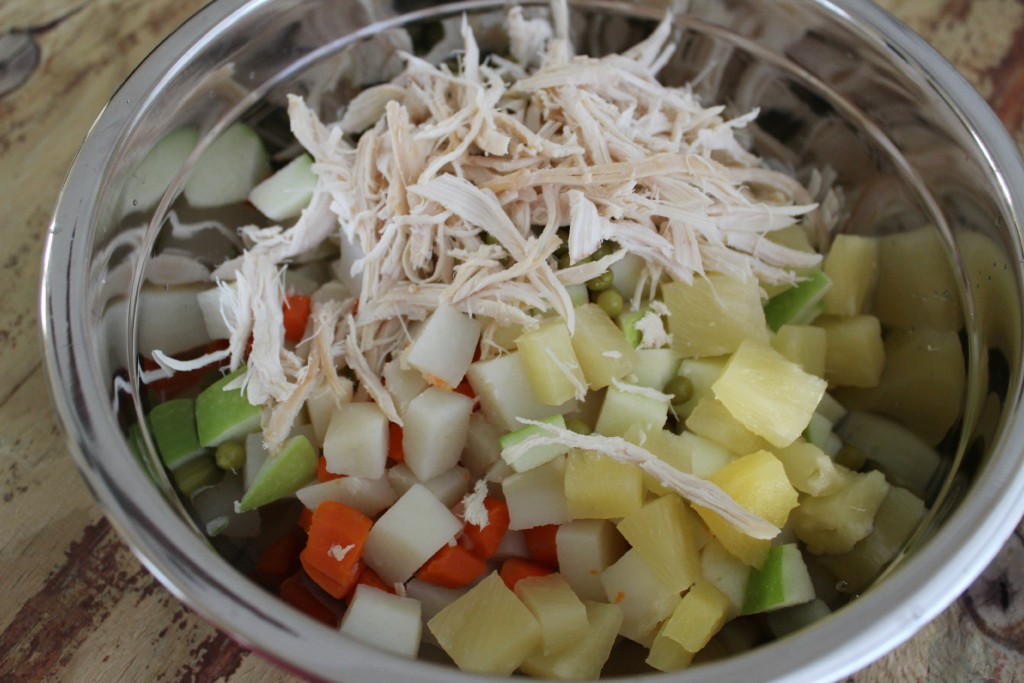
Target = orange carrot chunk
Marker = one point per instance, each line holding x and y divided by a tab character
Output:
484	542
395	450
371	578
296	310
513	570
452	567
334	549
279	560
295	593
540	541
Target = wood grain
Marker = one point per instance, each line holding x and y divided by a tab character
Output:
77	605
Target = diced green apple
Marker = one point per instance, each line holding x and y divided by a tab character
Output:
152	176
538	455
287	192
228	169
798	305
782	581
173	425
282	474
225	415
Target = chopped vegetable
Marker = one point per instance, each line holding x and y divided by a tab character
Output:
452	567
514	570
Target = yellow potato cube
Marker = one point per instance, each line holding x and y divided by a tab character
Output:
601	348
767	394
713	315
713	421
561	615
833	524
664	532
852	265
757	482
597	487
550	363
700	615
803	345
585	658
854	353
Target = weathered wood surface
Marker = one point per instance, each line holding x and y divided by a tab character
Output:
76	604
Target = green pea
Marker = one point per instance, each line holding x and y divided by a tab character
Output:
611	302
604	250
230	455
490	239
563	261
681	389
601	282
578	426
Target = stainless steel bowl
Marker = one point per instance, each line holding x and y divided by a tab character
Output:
839	80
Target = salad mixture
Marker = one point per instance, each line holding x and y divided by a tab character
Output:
537	358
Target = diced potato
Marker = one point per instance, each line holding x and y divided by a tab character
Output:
320	405
713	421
699	615
488	630
667	655
623	409
923	383
631	584
602	350
561	615
702	373
768	394
664	532
758	483
713	315
852	265
833	524
550	362
726	572
403	384
382	620
854	352
505	392
445	345
597	487
448	487
436	425
482	449
897	519
655	367
356	442
586	547
803	345
917	287
408	534
585	658
809	469
537	497
369	496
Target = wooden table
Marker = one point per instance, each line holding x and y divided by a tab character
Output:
76	605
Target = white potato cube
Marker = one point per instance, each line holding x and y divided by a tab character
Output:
320	406
482	449
403	384
382	620
586	547
369	496
645	600
505	393
445	345
436	424
210	303
408	534
448	487
356	442
537	497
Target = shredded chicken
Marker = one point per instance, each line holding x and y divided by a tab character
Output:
459	185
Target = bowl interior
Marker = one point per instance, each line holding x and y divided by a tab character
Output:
847	100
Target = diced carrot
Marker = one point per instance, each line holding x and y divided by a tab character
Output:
395	450
279	560
452	567
321	471
296	310
540	541
335	546
514	570
305	519
484	542
295	593
465	389
371	578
